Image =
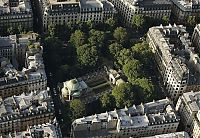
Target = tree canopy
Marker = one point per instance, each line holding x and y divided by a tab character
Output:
132	69
124	56
138	21
146	87
78	38
87	55
120	34
107	101
77	109
123	95
96	38
114	49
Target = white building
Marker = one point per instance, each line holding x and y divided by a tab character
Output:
182	9
177	61
147	119
60	12
73	88
18	112
188	107
172	135
153	8
16	13
32	77
48	130
196	37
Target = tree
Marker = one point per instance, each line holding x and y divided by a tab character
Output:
87	55
52	44
146	87
10	30
20	29
96	38
138	21
114	49
120	34
124	56
107	102
123	95
165	20
78	38
132	69
51	30
143	53
111	23
191	20
77	109
90	24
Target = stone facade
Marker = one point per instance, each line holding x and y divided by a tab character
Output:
189	108
18	112
177	61
147	119
15	14
57	12
153	8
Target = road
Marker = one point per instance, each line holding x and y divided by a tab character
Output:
61	110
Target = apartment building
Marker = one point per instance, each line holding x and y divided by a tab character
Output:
188	106
182	9
47	130
176	59
60	12
15	13
18	112
152	8
196	37
147	119
32	77
182	134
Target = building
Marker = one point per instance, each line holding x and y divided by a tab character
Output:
73	89
188	107
47	130
176	59
15	46
152	8
147	119
196	37
16	14
32	77
182	9
172	135
18	112
60	12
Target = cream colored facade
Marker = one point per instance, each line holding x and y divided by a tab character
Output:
189	108
15	13
32	77
196	37
56	12
153	8
180	73
182	9
147	119
18	112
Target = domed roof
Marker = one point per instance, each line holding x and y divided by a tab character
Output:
73	85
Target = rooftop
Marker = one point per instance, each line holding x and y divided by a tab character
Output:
21	6
192	99
174	44
182	134
48	130
186	5
143	115
24	104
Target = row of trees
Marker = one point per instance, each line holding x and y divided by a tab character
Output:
134	63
